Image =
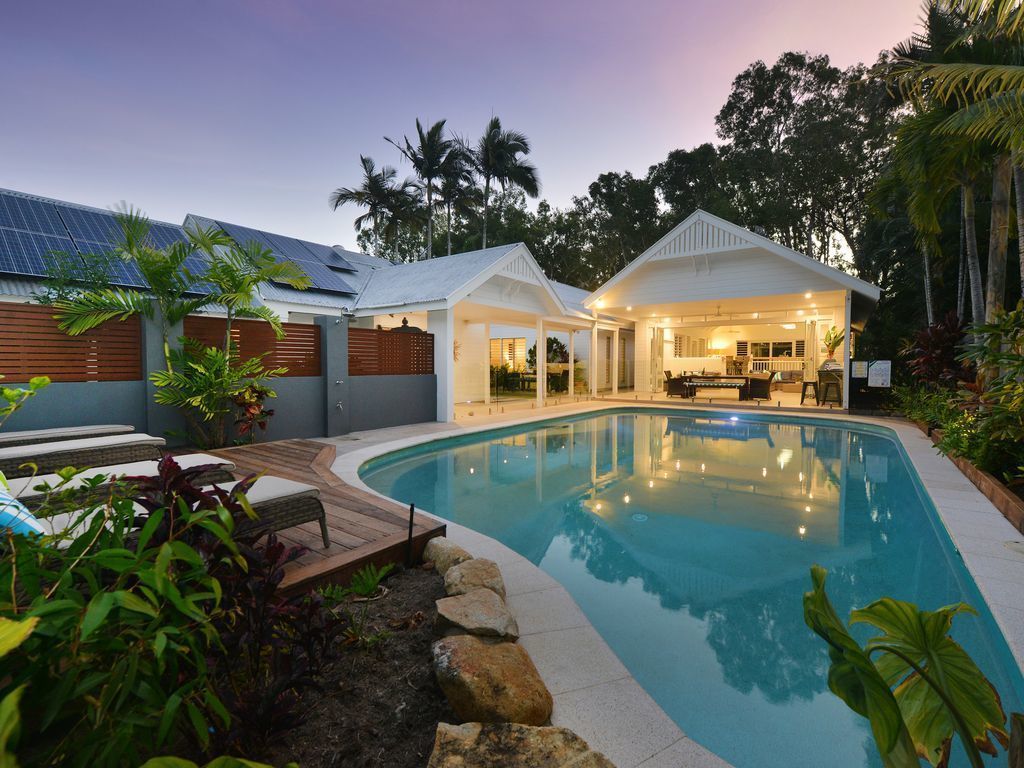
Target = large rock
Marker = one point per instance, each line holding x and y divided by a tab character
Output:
474	574
444	553
480	612
490	682
475	745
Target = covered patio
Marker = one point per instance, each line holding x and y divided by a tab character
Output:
738	316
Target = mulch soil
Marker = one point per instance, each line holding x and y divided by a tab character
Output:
377	707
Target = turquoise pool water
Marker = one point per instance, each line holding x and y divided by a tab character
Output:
687	539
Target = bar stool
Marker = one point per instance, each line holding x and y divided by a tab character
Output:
831	386
812	385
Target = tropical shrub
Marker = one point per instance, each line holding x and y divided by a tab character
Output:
14	398
252	414
204	382
155	629
915	685
933	354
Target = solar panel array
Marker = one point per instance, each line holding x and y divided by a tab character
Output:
34	233
311	260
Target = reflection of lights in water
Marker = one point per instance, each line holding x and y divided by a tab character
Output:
807	509
734	418
626	498
504	461
802	530
810	496
764	471
471	470
650	483
677	465
639	517
801	477
598	506
701	467
784	456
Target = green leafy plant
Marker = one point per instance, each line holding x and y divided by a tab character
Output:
14	398
833	338
364	586
915	685
203	382
367	580
252	414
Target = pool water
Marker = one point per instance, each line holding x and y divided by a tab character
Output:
687	541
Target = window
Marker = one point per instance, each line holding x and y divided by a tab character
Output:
760	349
799	348
741	349
510	352
782	349
679	346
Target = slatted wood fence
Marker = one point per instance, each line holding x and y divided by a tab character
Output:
31	344
373	352
298	351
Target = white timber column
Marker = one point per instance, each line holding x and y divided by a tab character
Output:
487	363
593	360
615	361
572	363
642	356
848	316
441	323
542	362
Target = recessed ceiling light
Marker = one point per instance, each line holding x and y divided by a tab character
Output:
808	295
629	309
800	312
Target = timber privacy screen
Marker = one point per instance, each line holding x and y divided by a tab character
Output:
373	352
298	351
31	344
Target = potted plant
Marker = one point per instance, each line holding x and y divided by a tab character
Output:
833	338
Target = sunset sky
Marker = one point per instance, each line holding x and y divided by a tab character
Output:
252	112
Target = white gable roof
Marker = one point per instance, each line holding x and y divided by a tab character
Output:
446	280
701	235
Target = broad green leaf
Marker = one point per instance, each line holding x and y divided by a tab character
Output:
10	723
13	633
912	637
854	678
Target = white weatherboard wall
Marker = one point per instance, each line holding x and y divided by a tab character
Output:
727	275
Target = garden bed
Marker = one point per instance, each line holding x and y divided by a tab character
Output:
377	707
1002	497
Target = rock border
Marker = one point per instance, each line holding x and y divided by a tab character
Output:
488	678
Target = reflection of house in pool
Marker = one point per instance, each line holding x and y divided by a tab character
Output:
719	429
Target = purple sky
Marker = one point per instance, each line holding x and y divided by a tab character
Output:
252	111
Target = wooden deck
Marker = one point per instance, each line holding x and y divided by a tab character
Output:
363	528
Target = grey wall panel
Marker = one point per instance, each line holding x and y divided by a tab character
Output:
389	401
298	408
74	404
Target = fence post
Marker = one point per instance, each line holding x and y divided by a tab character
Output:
334	371
161	420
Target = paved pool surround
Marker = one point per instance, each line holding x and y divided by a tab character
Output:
594	694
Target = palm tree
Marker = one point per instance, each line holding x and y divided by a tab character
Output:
171	294
459	196
499	156
389	204
235	272
428	157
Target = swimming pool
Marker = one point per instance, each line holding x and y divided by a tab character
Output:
686	539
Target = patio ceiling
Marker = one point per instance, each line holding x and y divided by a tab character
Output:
746	310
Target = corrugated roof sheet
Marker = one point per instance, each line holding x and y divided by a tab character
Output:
429	280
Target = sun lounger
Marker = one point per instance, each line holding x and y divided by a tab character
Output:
24	488
282	504
33	436
87	452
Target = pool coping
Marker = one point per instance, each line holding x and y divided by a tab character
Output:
595	695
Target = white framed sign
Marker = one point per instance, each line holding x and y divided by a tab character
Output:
880	373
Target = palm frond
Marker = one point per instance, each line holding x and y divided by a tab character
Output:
93	308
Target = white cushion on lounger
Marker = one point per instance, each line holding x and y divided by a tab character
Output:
269	488
24	487
40	449
63	433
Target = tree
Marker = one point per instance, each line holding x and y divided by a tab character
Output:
499	156
459	195
171	285
428	157
690	179
389	204
624	218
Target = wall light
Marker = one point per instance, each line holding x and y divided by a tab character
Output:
600	303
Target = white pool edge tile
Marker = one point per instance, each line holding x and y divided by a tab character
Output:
950	491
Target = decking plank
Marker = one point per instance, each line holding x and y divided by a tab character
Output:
363	528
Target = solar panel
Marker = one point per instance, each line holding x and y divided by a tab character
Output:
92	226
290	249
28	253
327	255
164	235
30	215
324	279
119	271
